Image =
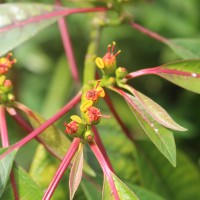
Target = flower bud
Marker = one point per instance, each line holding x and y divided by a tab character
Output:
6	63
88	136
121	72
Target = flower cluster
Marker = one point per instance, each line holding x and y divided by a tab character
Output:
6	95
90	114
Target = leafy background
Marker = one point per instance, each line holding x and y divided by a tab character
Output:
41	85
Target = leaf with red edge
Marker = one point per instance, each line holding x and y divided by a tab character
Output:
155	110
161	137
123	191
76	172
21	21
184	73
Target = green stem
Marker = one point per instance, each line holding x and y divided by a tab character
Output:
89	65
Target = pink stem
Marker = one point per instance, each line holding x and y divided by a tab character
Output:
3	127
105	168
56	13
5	143
61	169
121	123
29	129
101	147
50	121
68	47
149	33
142	72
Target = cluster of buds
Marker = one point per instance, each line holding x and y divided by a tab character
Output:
91	115
6	95
107	64
6	63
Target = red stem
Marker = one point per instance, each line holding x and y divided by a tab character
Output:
61	169
57	13
29	129
149	33
3	127
5	143
50	121
106	170
68	47
142	72
121	123
101	147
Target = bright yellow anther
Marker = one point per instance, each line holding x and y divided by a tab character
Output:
99	62
101	91
85	105
76	118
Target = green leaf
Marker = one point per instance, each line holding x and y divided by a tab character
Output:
180	183
61	77
6	164
156	111
76	172
21	21
160	136
123	191
184	73
27	188
185	48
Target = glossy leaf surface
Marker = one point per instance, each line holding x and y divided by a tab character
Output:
156	111
27	188
76	172
6	164
185	74
123	191
180	183
21	21
160	136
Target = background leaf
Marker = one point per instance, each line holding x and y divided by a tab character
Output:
180	183
185	48
6	164
21	21
27	188
184	73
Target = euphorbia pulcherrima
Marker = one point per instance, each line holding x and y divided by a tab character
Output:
83	127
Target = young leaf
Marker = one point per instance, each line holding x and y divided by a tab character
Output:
185	74
180	183
19	22
160	136
76	172
185	48
123	191
156	111
27	188
6	164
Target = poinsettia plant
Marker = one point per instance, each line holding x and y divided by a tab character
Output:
95	126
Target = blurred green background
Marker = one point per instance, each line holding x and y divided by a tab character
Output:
43	82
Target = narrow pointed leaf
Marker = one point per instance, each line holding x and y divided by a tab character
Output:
156	111
162	138
123	191
21	21
27	188
185	48
185	74
76	172
6	164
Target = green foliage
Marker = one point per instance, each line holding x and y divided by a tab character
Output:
42	80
